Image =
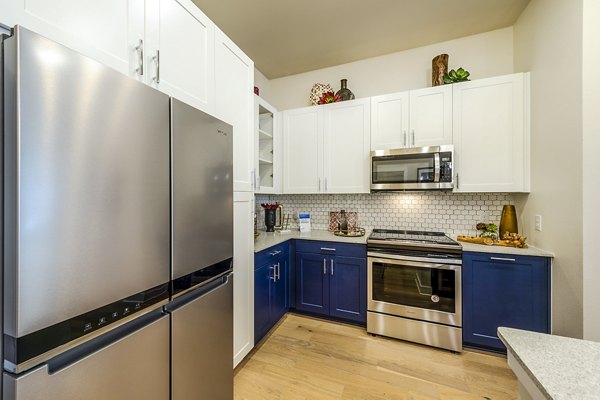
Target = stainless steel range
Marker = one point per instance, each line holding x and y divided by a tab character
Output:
414	287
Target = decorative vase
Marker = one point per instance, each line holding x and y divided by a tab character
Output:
317	92
270	219
344	92
343	222
439	67
508	220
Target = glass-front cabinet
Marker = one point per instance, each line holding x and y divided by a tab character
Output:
267	173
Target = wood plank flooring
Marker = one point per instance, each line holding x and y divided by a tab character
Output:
306	358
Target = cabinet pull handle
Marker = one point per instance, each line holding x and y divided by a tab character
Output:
253	184
275	253
140	49
332	267
502	259
156	59
457	185
319	184
325	185
413	137
274	276
327	249
324	266
405	139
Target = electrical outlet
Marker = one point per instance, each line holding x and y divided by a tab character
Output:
538	223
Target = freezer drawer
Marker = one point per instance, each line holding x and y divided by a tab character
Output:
135	366
202	343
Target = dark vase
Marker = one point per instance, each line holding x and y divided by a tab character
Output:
270	219
343	222
344	92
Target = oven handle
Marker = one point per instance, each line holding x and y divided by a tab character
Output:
406	259
413	263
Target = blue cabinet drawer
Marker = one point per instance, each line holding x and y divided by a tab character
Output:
331	248
269	255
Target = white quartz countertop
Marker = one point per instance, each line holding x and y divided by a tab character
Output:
484	248
560	367
268	239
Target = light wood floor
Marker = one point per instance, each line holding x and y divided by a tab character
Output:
306	358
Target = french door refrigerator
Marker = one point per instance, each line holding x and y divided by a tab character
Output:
91	236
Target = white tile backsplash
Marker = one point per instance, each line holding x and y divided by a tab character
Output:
452	213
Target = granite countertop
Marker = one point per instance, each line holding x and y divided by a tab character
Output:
268	239
483	248
560	367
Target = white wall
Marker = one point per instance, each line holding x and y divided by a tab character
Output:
591	172
547	42
484	55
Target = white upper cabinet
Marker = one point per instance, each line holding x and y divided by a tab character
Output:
234	100
168	44
326	148
181	51
108	31
491	134
303	150
389	121
412	119
346	150
431	116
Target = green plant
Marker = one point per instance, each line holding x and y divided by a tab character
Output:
460	75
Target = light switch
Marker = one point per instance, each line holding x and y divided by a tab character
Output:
538	223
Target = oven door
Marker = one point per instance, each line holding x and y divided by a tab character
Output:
418	290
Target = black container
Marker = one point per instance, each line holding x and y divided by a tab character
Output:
270	219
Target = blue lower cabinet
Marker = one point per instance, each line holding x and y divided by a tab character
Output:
348	288
312	283
262	312
329	283
503	290
271	288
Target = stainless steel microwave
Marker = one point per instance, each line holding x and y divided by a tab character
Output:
418	168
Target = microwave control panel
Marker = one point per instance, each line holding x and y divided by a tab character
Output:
446	167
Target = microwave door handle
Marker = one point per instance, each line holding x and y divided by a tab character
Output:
436	167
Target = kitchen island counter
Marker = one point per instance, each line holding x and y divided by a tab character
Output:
553	367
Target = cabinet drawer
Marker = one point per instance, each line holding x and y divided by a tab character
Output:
332	248
270	254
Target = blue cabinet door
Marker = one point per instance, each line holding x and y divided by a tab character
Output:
312	283
503	290
280	289
348	288
262	309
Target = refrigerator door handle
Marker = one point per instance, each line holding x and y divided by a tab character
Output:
196	293
70	357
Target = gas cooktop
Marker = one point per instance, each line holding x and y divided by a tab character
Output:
410	237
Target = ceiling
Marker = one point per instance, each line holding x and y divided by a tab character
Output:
286	37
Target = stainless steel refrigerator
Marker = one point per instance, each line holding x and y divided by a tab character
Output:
109	268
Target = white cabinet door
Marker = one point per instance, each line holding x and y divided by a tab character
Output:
107	31
347	147
181	51
491	134
234	104
303	150
243	275
389	121
431	116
